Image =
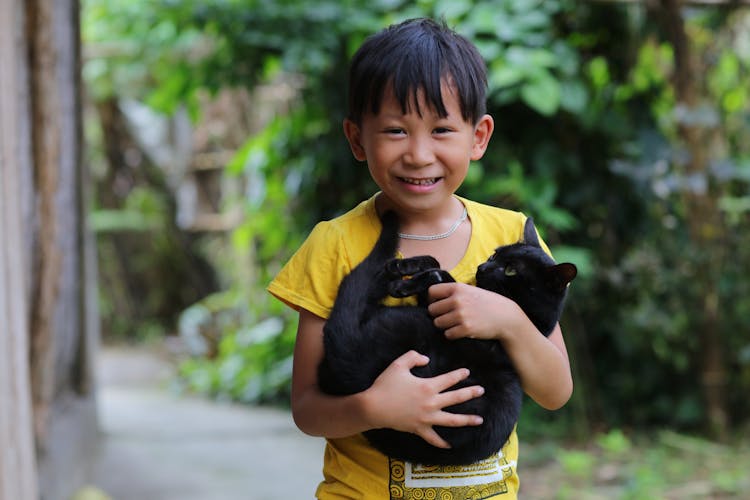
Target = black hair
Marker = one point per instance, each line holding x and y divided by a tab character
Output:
418	54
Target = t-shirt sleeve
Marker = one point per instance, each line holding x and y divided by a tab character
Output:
310	279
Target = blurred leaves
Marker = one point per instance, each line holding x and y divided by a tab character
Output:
614	464
587	141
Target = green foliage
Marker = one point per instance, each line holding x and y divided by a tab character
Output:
142	211
663	282
618	465
297	165
577	464
587	141
253	335
244	358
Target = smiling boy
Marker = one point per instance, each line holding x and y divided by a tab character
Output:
417	117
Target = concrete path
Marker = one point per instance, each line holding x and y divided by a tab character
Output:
159	446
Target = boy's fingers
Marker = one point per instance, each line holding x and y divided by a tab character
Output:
440	291
411	359
458	396
434	438
450	379
457	332
438	308
448	419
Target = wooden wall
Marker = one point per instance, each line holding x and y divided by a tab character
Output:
48	316
17	461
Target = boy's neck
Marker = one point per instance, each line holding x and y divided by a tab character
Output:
430	221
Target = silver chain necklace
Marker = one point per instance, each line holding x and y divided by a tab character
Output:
431	237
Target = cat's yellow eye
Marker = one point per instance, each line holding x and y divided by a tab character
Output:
510	271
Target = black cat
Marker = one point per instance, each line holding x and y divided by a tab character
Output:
362	337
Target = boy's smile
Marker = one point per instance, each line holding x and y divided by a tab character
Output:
419	185
419	182
418	159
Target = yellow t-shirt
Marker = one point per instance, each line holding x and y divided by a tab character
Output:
351	467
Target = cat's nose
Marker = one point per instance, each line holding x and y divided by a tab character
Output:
482	267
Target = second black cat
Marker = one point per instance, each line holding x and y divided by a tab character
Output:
362	337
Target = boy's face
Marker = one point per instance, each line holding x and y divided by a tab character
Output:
418	161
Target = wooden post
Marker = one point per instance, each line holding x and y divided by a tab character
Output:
62	309
18	475
48	315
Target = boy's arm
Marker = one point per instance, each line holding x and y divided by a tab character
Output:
397	399
541	362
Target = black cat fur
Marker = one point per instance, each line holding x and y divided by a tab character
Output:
362	337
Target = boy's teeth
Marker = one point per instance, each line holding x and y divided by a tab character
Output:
420	182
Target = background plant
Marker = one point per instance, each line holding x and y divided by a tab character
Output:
596	131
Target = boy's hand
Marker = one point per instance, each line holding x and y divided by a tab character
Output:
400	400
468	311
541	362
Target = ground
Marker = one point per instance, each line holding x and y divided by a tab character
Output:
158	445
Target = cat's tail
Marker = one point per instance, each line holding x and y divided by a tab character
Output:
367	283
372	268
345	333
387	244
371	276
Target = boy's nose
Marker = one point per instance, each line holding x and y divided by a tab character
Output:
419	152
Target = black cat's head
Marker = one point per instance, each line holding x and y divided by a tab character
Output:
525	273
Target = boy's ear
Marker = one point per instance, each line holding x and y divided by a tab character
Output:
482	134
354	136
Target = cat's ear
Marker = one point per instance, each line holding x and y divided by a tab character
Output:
529	233
562	274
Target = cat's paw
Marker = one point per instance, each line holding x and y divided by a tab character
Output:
411	265
418	283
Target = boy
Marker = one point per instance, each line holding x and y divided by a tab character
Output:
417	117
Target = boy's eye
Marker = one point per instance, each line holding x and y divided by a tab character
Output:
442	130
394	131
